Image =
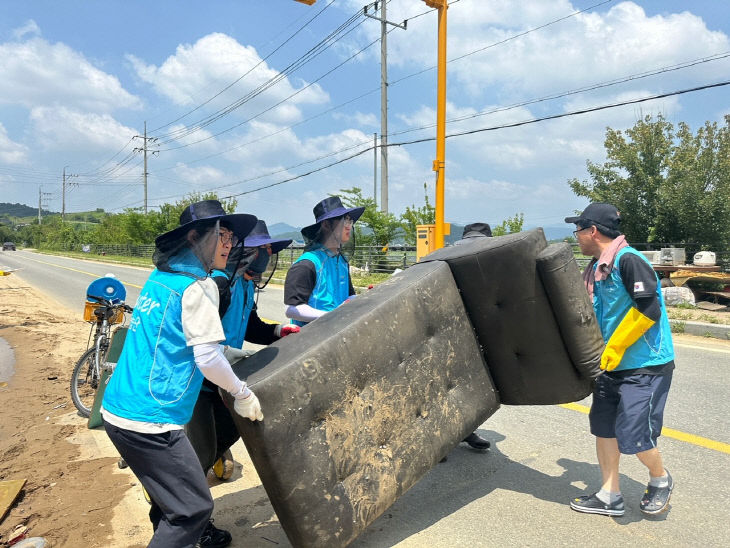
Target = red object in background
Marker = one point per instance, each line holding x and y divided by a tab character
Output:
371	286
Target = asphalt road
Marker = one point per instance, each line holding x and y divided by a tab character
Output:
66	279
517	494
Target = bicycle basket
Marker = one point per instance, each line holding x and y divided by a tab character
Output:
89	316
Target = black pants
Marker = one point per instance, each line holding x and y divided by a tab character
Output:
167	467
211	429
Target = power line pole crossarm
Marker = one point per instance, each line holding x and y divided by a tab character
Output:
144	149
63	192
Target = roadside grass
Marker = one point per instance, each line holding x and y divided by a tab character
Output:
114	259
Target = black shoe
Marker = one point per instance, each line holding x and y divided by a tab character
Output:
656	499
213	537
591	504
477	442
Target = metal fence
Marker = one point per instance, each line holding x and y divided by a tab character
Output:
376	259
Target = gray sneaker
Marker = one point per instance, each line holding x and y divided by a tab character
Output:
656	499
591	504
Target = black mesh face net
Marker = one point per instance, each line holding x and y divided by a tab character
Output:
192	251
238	261
262	279
330	236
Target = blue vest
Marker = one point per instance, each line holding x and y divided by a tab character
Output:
611	303
333	280
236	317
156	379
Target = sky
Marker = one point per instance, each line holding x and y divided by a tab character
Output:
269	101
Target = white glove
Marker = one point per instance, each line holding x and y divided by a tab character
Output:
233	354
248	407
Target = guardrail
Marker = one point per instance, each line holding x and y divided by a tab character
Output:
377	259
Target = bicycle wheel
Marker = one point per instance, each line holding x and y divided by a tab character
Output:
84	382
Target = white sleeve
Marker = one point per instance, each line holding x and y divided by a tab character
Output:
215	367
303	312
200	320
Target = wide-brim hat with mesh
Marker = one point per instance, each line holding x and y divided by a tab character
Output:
330	208
240	224
260	236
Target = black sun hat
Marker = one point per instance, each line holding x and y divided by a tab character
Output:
598	213
240	223
330	208
260	236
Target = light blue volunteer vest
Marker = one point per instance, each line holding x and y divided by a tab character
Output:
236	317
611	302
333	280
156	379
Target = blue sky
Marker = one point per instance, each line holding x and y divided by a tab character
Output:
79	79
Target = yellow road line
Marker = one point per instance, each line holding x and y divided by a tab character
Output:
669	432
708	348
80	271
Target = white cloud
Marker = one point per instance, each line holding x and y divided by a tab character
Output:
37	73
59	127
361	119
30	27
197	72
10	151
573	52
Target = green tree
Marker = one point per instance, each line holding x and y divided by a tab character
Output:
414	216
374	228
510	225
669	187
694	203
636	167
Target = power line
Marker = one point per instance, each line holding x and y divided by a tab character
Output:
314	52
494	128
248	71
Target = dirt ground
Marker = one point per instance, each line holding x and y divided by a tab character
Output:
75	493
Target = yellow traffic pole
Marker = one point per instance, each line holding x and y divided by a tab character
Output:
439	163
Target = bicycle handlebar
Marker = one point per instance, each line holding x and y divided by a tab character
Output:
109	304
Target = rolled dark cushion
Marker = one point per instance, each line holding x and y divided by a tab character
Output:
572	307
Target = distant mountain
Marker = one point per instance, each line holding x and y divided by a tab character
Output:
558	232
280	228
20	210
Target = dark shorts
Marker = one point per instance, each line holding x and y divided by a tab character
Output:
630	409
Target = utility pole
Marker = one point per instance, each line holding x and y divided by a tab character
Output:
41	195
375	169
144	152
384	97
63	193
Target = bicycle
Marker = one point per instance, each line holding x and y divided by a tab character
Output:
87	372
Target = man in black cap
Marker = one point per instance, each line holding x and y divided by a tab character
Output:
473	232
172	344
628	401
211	429
319	281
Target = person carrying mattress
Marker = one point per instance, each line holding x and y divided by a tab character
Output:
172	344
211	429
319	281
628	400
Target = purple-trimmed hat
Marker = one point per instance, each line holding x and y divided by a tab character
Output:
239	223
260	236
330	208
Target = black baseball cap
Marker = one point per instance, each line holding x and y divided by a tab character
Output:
605	215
